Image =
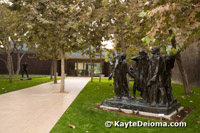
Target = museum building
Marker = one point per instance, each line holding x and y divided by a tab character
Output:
75	65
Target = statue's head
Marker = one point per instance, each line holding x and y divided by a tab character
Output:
155	50
123	55
142	53
131	68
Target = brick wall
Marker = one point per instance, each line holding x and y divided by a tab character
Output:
35	65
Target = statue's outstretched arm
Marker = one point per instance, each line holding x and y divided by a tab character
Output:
110	60
110	77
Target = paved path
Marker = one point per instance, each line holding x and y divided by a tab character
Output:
37	109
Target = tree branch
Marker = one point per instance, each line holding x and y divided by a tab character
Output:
3	60
23	55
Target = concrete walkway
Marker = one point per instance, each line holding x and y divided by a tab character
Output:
37	109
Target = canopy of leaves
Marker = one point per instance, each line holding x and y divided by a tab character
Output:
78	25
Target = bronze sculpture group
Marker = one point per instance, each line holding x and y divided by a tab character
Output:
152	78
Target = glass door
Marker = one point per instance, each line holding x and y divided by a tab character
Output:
84	69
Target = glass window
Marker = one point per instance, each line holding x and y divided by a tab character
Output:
84	69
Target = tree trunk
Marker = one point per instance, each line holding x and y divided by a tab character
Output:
76	67
9	66
66	68
62	86
12	66
18	64
91	73
100	66
183	74
4	61
7	48
92	70
180	66
55	69
123	44
51	73
91	65
19	58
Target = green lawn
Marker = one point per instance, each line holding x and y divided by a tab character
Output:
17	84
85	118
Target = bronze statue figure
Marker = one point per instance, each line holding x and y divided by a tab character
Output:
24	69
169	62
141	73
124	71
120	69
154	75
115	73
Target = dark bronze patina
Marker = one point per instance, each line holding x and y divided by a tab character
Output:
152	77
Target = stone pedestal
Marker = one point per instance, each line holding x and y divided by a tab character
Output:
138	104
26	79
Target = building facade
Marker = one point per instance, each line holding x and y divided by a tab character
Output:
75	65
82	67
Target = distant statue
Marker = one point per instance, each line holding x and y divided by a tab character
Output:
119	71
24	69
141	74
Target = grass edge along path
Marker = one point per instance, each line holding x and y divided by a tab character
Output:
87	119
18	84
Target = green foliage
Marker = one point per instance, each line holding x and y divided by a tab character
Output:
146	40
143	14
104	3
108	54
173	51
127	19
78	25
179	16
